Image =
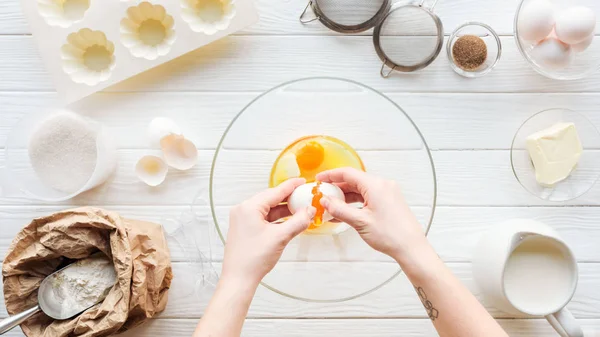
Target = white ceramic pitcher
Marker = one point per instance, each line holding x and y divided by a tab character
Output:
497	249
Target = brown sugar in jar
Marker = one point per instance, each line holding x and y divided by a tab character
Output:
469	52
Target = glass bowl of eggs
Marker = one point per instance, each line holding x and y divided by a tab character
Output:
558	37
299	129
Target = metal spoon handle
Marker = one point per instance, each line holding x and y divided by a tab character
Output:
8	323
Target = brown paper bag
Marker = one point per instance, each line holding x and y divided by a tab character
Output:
139	252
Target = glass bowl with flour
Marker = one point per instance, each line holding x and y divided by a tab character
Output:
54	157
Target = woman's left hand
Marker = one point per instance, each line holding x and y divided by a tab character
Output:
254	244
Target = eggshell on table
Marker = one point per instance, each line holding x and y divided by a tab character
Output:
552	53
536	20
302	197
575	24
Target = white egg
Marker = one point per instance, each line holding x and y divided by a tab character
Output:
575	24
583	45
552	53
159	128
302	197
536	20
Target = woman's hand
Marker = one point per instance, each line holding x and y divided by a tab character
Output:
254	244
386	222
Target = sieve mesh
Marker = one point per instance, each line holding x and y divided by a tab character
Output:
350	12
410	37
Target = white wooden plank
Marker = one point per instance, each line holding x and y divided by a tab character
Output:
448	121
281	17
451	224
395	300
464	178
342	327
271	60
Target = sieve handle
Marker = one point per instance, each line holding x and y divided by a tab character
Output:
430	8
305	21
383	73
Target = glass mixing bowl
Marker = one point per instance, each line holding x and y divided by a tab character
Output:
583	64
323	267
585	175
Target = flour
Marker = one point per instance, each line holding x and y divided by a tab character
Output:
63	152
83	284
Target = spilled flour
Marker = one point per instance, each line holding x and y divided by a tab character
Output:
63	152
83	284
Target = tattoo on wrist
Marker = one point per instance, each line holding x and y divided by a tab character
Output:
432	312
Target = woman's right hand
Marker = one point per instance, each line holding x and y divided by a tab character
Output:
386	222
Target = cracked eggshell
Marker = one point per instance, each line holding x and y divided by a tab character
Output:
160	128
152	170
208	16
180	153
302	197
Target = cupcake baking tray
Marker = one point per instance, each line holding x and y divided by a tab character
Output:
88	45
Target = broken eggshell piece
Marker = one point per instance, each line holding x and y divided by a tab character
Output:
180	153
147	31
302	197
62	13
152	170
208	16
88	57
160	128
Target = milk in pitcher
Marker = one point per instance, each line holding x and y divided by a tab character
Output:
538	275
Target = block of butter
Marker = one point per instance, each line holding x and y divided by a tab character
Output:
555	153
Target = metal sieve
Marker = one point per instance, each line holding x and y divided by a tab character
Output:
409	38
347	16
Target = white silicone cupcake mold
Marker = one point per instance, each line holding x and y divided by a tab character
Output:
148	31
89	45
88	57
63	13
208	16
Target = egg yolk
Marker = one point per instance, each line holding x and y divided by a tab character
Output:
316	203
307	157
310	156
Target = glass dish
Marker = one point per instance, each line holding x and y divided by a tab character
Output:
585	174
583	65
492	41
323	267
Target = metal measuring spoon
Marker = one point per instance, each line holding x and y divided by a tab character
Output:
47	305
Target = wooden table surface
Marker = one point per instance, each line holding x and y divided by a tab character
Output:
469	125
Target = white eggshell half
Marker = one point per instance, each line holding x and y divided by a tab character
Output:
536	20
151	170
302	197
159	128
552	53
575	24
180	153
583	45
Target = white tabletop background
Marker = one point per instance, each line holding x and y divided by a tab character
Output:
469	124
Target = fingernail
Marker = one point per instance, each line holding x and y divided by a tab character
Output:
312	211
325	202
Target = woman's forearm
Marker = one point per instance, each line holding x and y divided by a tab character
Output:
454	311
228	308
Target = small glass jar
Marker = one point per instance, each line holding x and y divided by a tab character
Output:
489	37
